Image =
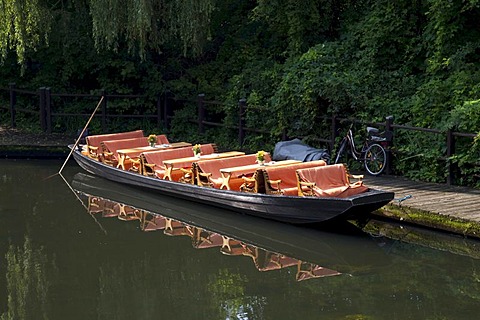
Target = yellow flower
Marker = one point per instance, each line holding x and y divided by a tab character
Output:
261	155
152	138
196	148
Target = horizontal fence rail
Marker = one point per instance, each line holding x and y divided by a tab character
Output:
165	104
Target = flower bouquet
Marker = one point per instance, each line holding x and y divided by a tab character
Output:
196	150
152	139
261	157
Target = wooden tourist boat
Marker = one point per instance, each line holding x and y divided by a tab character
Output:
315	252
286	208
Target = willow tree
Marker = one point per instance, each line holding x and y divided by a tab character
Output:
23	24
149	24
142	25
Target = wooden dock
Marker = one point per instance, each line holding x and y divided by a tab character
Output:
454	201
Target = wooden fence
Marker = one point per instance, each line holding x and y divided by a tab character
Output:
165	105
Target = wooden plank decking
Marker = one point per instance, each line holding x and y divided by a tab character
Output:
459	202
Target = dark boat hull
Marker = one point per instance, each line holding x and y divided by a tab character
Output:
298	210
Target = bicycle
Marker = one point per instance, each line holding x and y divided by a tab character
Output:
372	153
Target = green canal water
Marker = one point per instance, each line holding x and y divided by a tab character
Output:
80	247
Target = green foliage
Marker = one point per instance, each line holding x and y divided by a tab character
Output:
295	63
23	23
147	25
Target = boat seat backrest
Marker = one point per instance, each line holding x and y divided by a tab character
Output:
213	166
95	140
162	139
114	145
331	180
325	177
287	174
157	157
208	148
205	149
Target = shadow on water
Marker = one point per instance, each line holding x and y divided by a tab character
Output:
426	237
351	251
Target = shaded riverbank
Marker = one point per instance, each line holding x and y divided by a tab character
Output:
15	143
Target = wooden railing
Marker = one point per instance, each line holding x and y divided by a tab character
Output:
166	104
45	111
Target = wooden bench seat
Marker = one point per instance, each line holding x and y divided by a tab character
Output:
94	141
152	162
208	172
110	147
282	180
328	181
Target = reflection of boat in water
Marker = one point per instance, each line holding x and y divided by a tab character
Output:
271	245
264	260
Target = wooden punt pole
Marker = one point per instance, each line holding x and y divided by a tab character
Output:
81	134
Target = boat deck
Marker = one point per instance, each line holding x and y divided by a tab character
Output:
455	201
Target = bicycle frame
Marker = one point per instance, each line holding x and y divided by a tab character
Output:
357	155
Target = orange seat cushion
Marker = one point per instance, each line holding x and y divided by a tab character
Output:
288	175
114	145
215	165
331	181
96	140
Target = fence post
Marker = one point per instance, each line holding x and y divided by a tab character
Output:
242	106
159	111
41	94
201	113
166	110
284	134
104	111
13	103
48	109
389	132
334	132
450	152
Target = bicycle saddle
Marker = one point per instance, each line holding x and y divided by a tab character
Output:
372	130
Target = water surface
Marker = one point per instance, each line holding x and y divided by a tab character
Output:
126	254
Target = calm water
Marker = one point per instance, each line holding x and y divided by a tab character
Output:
93	257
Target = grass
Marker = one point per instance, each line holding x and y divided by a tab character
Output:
430	220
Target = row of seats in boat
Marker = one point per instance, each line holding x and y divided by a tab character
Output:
207	173
94	141
314	178
151	163
110	147
104	147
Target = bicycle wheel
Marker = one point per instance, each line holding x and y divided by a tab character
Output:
341	150
375	159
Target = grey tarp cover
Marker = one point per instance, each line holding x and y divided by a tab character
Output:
297	150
